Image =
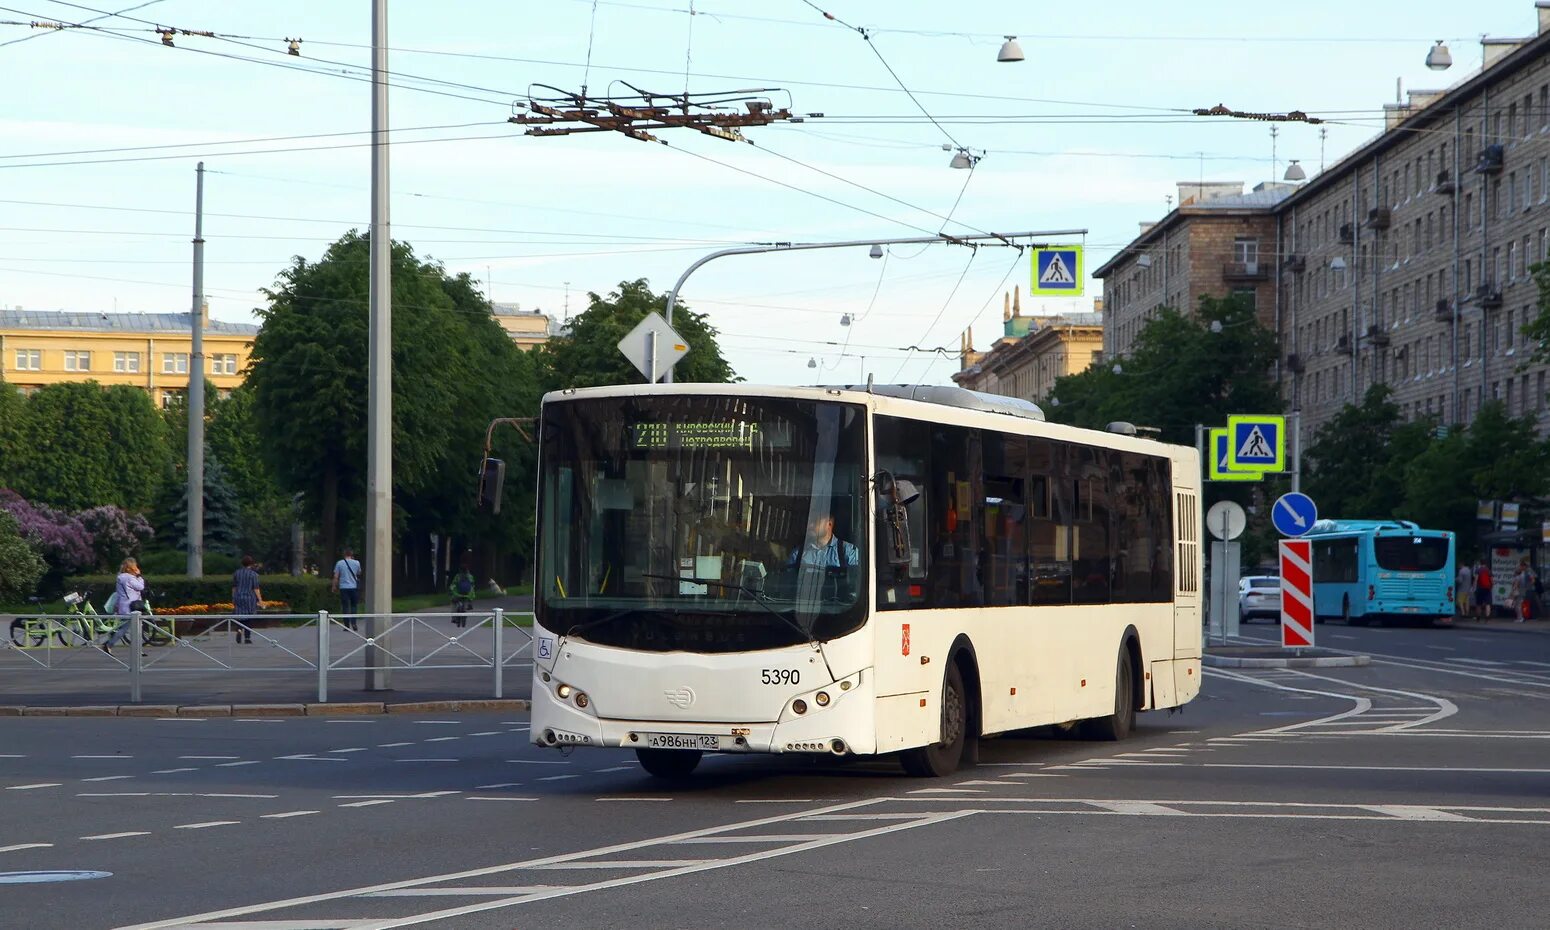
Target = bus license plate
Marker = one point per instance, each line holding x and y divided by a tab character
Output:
681	741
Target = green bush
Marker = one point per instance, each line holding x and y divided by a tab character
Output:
175	562
305	594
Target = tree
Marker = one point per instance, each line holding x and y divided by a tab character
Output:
82	445
454	369
222	512
12	412
115	534
1183	370
1357	459
21	568
57	536
587	353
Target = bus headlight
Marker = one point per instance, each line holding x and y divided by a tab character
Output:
799	706
581	699
563	691
822	698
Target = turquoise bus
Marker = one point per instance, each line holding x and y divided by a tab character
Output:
1381	570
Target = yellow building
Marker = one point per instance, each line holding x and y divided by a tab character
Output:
526	328
1032	352
148	350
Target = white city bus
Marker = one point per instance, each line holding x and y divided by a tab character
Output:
724	568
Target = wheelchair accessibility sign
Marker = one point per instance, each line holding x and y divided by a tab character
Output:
1057	271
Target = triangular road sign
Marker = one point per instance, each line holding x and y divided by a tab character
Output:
1056	272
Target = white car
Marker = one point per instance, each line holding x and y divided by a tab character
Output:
1259	596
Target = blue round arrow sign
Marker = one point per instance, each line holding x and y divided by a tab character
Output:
1293	514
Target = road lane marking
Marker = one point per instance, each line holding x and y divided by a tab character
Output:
1443	648
117	836
207	758
623	864
1139	807
557	777
1413	812
616	768
102	757
351	749
913	820
308	757
421	760
540	761
108	778
286	814
437	722
227	765
469	890
392	745
758	838
947	791
632	799
21	846
486	733
775	801
1485	662
172	771
41	784
205	824
367	803
502	798
442	739
502	784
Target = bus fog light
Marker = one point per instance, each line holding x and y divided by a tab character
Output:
844	686
581	699
799	706
563	691
822	698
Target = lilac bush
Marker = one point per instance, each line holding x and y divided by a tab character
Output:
115	533
62	540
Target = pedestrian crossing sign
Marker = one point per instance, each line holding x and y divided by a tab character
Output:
1217	468
1057	271
1256	442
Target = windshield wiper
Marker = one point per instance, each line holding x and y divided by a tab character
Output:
758	598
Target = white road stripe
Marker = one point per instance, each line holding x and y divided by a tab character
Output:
623	864
947	791
227	765
351	749
486	733
366	803
1485	662
102	757
759	838
108	778
307	757
442	739
632	799
540	761
288	814
323	924
557	777
616	768
392	745
41	784
1412	812
116	836
775	801
21	846
437	722
503	784
505	798
172	771
470	891
208	758
424	760
1138	807
207	823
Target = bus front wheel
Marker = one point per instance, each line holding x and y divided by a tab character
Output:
1117	726
669	763
941	759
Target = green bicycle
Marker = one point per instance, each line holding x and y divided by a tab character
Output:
76	628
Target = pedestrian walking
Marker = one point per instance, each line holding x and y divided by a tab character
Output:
347	583
129	602
1464	589
1482	590
245	595
462	590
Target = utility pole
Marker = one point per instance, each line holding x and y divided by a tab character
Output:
196	390
379	413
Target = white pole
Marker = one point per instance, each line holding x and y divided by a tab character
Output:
379	415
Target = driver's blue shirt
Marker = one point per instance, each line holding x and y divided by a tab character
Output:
826	556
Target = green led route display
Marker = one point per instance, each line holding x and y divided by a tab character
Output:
710	434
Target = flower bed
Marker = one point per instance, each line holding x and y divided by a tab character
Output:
278	607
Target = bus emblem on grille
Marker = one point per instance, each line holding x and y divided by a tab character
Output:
679	697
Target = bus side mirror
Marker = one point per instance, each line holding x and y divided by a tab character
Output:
897	496
492	477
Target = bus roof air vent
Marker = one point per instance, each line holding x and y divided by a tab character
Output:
962	398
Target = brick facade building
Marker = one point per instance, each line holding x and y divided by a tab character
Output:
1032	352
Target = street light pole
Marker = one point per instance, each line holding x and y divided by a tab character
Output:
379	414
196	390
672	295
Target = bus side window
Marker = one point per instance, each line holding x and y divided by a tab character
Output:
1004	539
1049	523
954	577
1090	545
901	447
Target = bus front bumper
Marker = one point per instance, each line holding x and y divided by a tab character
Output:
843	727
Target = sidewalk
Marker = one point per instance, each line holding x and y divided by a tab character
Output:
1503	624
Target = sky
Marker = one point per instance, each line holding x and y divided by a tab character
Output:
103	126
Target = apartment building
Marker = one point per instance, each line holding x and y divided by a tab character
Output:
527	328
147	350
1405	263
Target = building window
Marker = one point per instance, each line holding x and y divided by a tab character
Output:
77	361
29	359
223	364
1512	267
174	363
1245	251
126	362
168	398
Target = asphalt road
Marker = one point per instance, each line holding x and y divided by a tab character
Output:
1411	792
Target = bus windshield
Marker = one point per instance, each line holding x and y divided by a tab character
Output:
701	523
1410	553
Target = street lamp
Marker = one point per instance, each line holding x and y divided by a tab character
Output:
1337	264
844	319
1439	58
812	362
1010	50
877	251
876	244
1145	261
963	159
1294	172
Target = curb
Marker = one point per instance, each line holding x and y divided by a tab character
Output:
1288	662
269	710
1501	628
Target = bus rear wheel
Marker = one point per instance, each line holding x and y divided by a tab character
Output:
942	758
1117	726
669	763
